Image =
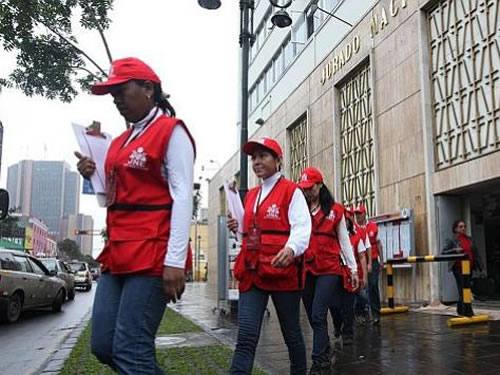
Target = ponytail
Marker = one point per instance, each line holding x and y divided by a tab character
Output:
326	200
161	100
350	225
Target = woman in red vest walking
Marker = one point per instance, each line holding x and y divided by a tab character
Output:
323	289
343	320
276	231
374	263
149	180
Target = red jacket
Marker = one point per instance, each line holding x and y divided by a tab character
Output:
323	255
356	238
138	217
372	231
253	267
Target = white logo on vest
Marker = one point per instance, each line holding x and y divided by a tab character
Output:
138	159
273	212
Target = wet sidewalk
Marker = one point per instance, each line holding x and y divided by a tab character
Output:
413	343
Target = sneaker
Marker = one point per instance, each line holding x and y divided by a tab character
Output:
376	321
324	368
361	320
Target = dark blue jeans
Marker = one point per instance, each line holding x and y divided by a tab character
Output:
252	305
126	315
373	289
321	293
343	318
361	302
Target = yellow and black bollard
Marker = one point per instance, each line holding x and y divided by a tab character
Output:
469	317
390	295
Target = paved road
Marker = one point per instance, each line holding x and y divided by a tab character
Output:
27	344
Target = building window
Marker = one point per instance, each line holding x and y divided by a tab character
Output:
356	140
315	18
298	147
465	60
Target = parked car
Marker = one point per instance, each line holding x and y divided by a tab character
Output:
25	284
57	268
83	277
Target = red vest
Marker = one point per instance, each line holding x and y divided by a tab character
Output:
253	267
355	240
372	230
138	220
323	255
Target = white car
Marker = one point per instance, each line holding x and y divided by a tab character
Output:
25	284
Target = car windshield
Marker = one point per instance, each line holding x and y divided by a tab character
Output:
75	267
49	264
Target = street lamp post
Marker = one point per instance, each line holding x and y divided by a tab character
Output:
246	40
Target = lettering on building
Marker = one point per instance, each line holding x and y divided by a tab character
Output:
340	59
380	18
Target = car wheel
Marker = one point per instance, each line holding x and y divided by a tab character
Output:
88	287
13	309
58	301
71	294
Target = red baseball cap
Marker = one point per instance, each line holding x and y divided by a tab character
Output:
124	70
310	177
265	142
360	208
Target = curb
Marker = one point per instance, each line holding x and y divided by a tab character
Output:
54	364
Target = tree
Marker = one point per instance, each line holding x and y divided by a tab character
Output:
50	61
9	228
69	249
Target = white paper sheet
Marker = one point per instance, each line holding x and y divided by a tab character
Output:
235	206
95	148
396	247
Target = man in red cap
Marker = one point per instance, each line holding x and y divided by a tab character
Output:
374	264
149	179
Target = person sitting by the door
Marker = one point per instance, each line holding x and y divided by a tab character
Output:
461	243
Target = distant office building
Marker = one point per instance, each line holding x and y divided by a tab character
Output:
72	224
19	182
44	189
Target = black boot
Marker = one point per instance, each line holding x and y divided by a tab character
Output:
324	368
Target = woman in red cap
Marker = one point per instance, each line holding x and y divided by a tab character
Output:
374	264
329	241
276	231
149	179
343	319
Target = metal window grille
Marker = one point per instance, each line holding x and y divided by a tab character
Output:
298	145
356	138
464	40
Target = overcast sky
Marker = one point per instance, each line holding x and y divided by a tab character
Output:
194	51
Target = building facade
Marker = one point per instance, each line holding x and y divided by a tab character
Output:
72	225
400	111
44	189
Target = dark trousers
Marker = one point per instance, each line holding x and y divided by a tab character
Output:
321	293
361	302
457	272
251	308
126	315
373	291
343	318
